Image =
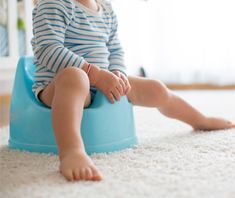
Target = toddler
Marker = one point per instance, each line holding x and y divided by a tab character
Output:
77	51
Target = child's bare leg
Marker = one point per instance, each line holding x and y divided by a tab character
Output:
67	94
152	93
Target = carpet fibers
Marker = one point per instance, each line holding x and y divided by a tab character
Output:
170	160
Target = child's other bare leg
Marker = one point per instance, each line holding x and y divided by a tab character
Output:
152	93
67	94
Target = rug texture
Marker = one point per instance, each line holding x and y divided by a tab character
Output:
170	160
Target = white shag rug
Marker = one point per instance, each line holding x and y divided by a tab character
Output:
170	161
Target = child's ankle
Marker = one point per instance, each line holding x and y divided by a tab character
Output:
68	151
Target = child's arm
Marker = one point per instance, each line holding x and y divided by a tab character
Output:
50	20
116	57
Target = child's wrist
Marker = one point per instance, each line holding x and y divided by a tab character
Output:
92	72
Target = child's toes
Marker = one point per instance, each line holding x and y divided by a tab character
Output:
88	174
76	174
232	125
83	173
68	174
96	175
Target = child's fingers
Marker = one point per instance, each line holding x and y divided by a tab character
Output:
122	87
117	73
110	97
127	84
124	81
116	93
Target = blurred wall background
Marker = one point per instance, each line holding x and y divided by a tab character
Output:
179	41
176	41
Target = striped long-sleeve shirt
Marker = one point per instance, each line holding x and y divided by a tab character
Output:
66	33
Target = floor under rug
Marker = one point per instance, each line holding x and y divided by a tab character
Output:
170	161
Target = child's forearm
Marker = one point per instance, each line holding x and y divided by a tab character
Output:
93	72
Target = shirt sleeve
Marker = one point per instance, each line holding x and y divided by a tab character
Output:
116	57
50	22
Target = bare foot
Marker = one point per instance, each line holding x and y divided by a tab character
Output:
77	165
212	123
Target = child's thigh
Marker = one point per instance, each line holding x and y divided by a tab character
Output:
46	96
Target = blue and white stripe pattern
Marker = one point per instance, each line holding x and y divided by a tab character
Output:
66	33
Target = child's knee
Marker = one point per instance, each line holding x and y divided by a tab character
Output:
72	77
161	92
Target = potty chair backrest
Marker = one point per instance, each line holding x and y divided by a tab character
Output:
24	80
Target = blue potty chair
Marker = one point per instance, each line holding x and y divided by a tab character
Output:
105	127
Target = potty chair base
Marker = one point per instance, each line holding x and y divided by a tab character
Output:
105	127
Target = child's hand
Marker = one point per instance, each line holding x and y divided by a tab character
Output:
127	86
110	84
